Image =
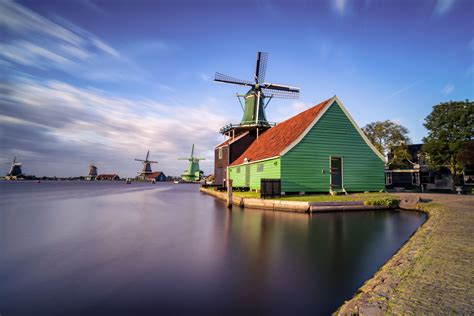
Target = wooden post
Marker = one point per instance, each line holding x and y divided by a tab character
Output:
229	190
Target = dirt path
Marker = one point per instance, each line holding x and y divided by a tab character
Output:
433	273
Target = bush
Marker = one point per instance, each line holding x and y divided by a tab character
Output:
386	201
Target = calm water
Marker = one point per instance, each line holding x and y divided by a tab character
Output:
111	248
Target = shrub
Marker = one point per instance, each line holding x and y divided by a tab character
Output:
386	201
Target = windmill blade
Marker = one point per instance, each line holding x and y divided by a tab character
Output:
147	154
184	158
199	158
228	79
192	151
281	94
138	159
280	87
150	161
261	67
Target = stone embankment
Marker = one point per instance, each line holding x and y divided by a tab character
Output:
295	206
433	273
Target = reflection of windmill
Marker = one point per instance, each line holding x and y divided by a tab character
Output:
256	99
146	167
92	172
15	170
193	173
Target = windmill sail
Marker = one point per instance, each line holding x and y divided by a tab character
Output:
254	107
193	173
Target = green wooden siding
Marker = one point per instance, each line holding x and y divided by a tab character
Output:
306	166
271	170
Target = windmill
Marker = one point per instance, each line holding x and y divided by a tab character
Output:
257	98
92	172
146	167
193	173
15	170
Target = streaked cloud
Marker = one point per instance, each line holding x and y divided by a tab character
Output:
45	43
404	89
66	125
340	6
448	89
443	6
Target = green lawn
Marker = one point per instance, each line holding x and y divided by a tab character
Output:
321	197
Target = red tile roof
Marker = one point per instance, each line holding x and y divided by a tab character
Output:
154	175
273	141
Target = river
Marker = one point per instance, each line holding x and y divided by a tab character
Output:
100	248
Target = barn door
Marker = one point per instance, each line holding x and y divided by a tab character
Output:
247	176
336	173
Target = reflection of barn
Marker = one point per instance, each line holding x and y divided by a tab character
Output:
157	176
108	177
416	175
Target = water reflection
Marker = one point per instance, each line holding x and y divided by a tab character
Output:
168	248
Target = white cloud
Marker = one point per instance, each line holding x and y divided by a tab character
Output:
448	89
204	77
443	6
340	6
404	89
44	43
57	122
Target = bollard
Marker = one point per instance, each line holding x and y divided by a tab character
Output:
229	193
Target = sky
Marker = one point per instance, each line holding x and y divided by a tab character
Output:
91	81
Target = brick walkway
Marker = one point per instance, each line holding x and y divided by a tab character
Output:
433	273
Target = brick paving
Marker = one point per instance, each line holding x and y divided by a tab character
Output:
433	273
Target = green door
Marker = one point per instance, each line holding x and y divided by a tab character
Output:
336	173
247	175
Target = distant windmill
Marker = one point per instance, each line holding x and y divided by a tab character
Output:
146	167
92	172
193	173
15	170
260	91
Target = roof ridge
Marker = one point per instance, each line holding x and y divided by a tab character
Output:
282	135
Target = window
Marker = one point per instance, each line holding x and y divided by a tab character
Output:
220	152
260	167
388	178
238	169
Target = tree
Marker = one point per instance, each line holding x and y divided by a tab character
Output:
389	137
450	128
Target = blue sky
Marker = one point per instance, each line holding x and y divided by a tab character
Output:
105	81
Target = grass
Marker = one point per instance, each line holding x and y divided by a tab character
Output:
321	197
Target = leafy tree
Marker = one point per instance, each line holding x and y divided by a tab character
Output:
389	137
450	128
466	156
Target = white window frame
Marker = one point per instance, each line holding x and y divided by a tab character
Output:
219	150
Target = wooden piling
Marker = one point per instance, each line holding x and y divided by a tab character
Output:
229	193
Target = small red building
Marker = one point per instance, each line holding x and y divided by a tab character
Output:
108	177
157	176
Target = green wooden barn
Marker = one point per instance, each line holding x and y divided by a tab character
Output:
319	150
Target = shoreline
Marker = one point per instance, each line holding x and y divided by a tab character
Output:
295	206
432	272
418	278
